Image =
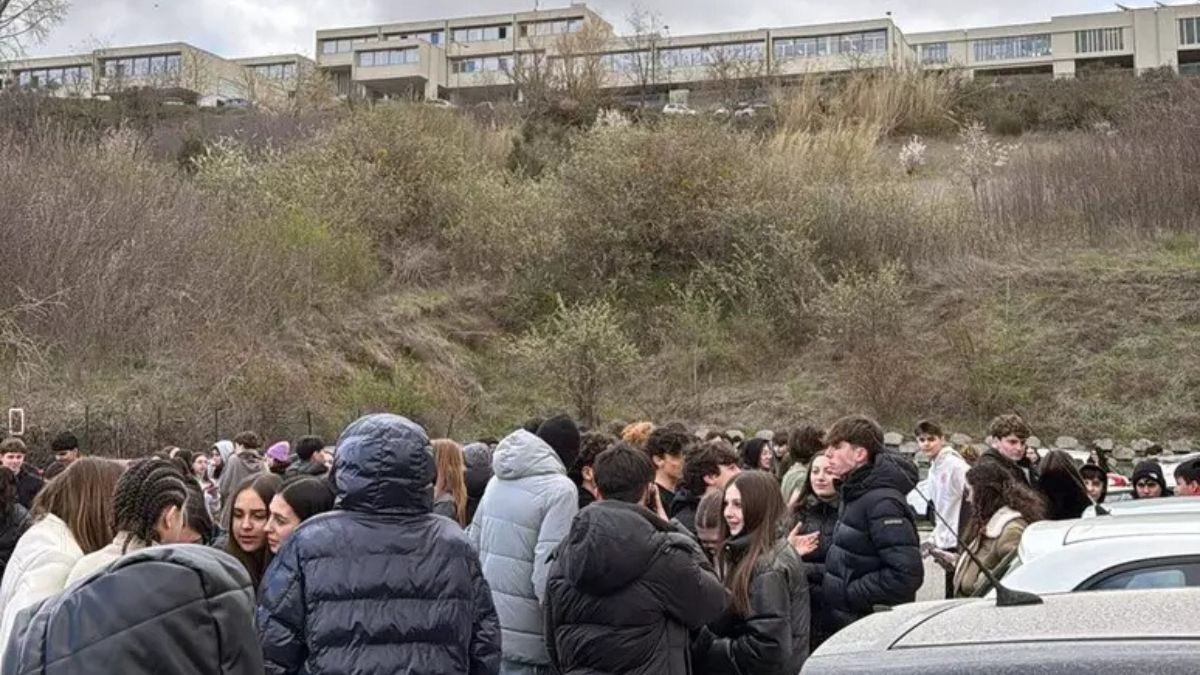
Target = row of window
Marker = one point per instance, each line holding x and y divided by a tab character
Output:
389	57
1021	47
1189	31
55	77
142	66
344	45
484	34
276	71
490	64
1099	40
469	34
935	52
560	27
685	57
872	42
433	37
627	62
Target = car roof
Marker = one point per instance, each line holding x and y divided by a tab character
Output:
1136	507
1144	614
1063	570
1048	535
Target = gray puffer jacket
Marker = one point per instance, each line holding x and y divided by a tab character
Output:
524	514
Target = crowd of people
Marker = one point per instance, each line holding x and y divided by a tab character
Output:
634	549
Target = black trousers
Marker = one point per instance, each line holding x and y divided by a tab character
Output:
950	578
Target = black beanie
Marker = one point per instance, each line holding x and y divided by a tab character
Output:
1153	471
561	434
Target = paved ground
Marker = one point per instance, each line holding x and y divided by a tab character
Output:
935	578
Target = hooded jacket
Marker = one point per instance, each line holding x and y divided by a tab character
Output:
167	610
380	584
238	467
38	568
875	557
524	515
997	543
623	591
16	522
1097	472
773	638
478	459
1153	471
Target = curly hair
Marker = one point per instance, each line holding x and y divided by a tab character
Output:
993	487
144	491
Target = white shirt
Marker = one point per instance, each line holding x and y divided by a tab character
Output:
947	485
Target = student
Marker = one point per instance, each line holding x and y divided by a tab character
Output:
66	450
1148	481
310	458
766	627
149	508
1062	486
756	455
245	462
1002	506
637	433
803	444
478	460
450	488
706	468
28	484
947	485
300	498
72	517
380	585
591	445
279	458
1095	481
1187	478
816	516
710	518
665	447
625	588
875	557
246	527
1009	434
14	519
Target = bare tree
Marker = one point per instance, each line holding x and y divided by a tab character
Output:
738	73
27	22
569	74
646	34
315	91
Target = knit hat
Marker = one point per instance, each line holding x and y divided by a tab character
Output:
1152	471
561	434
280	452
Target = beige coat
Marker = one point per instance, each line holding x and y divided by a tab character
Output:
999	540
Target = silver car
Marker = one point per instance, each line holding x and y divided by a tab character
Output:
1106	633
1151	550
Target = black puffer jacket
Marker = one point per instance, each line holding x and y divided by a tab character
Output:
165	610
1024	470
821	517
875	558
623	590
16	521
381	585
683	508
773	638
28	486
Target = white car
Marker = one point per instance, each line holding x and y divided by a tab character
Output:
1141	507
677	109
1153	550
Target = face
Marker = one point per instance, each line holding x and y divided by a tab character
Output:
172	527
1148	488
1032	455
710	539
66	456
1011	446
279	527
719	481
200	466
845	458
214	457
764	459
931	445
13	461
670	465
780	451
1186	489
250	517
822	477
1094	488
733	510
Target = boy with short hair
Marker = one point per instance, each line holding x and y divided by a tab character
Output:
947	486
1187	479
12	451
1009	434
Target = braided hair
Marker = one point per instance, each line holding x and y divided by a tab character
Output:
144	492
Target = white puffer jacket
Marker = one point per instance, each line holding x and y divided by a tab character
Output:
37	570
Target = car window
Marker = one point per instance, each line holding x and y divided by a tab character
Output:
1160	576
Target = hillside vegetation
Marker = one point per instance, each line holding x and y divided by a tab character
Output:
170	279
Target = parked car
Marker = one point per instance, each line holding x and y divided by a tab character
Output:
677	109
1149	550
1141	507
439	103
1157	631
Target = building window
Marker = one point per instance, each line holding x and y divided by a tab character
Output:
936	52
688	57
143	66
560	27
1099	40
54	78
1189	31
491	64
277	71
1022	47
480	34
345	45
433	37
389	57
626	62
871	42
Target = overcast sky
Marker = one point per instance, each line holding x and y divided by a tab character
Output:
249	27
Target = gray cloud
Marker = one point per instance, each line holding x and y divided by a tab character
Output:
247	27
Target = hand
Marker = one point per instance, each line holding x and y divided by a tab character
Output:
804	543
946	560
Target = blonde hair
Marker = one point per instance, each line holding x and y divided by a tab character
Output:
637	434
451	475
82	496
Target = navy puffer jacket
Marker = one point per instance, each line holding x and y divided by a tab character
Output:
875	557
381	585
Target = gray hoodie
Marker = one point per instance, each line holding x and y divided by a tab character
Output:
238	468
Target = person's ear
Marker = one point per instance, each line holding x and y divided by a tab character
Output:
170	521
710	481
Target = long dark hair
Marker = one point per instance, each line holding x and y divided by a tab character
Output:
752	451
307	496
265	485
1062	484
762	512
993	487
